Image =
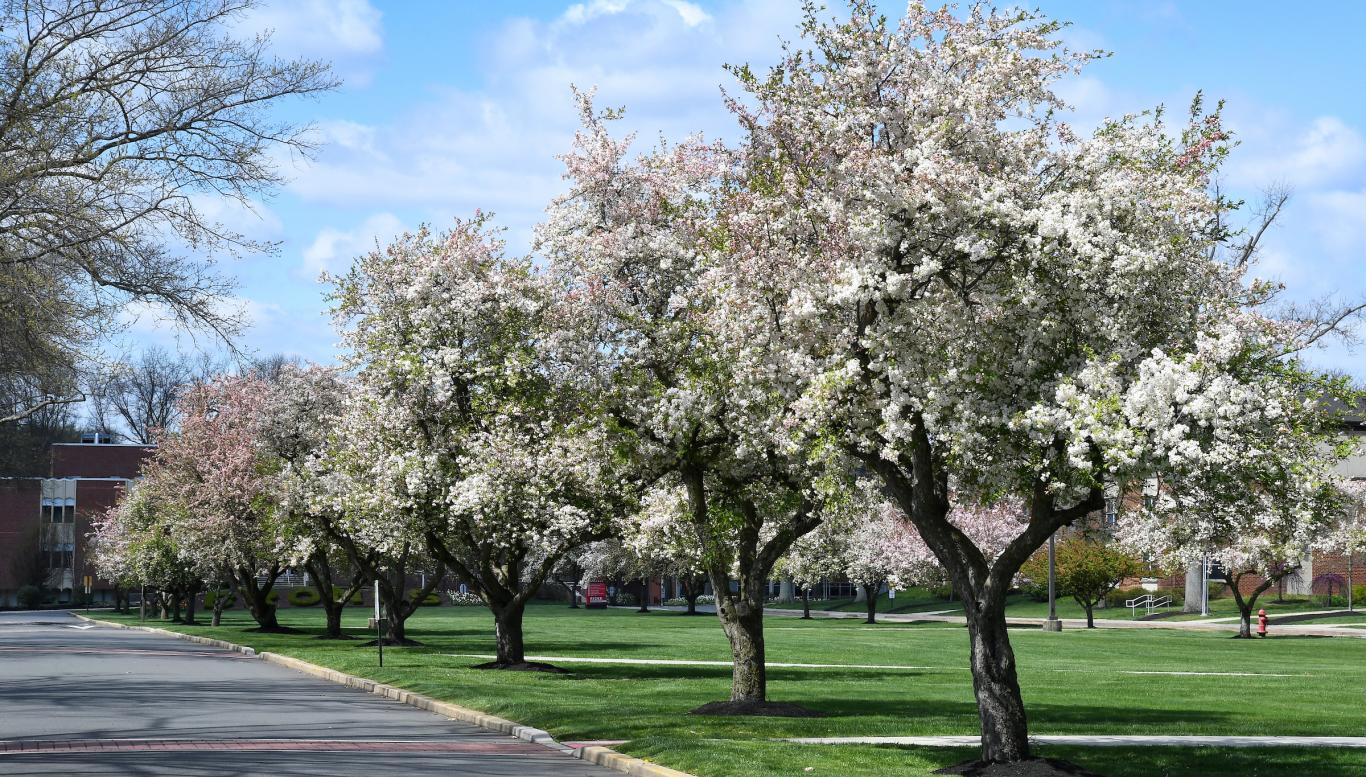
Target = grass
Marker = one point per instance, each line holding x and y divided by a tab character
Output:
1073	683
916	600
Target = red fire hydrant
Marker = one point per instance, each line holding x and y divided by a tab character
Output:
1261	623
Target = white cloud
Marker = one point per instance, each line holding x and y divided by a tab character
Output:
691	14
1325	152
334	249
347	33
579	13
494	147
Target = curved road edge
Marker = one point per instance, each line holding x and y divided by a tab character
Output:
594	754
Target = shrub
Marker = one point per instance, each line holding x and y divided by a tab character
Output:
30	597
354	598
945	591
1036	590
625	599
1119	596
273	596
1358	595
468	599
212	596
432	599
303	597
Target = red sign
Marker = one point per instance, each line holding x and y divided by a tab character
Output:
596	595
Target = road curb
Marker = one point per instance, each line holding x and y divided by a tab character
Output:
611	759
594	754
218	643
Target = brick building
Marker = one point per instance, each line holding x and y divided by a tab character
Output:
44	521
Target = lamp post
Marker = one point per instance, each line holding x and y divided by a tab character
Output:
1204	588
1052	624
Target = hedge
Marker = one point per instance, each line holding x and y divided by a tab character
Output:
212	596
432	599
303	597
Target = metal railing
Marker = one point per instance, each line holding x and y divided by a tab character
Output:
1149	603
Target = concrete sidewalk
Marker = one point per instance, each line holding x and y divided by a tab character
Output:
1068	623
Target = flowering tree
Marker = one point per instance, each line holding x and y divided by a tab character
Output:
133	544
990	301
219	477
298	420
641	248
1261	483
460	419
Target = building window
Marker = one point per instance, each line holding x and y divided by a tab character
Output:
1111	511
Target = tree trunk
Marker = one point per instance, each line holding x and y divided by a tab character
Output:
189	607
1090	614
320	568
142	603
870	598
175	607
806	604
1005	734
508	632
744	627
644	595
257	598
220	601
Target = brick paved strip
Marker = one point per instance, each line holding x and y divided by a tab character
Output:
30	746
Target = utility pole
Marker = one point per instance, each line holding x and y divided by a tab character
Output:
1052	624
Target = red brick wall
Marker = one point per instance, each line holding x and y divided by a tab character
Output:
20	500
98	461
93	498
1336	564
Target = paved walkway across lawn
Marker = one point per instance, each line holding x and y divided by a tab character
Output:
1315	630
1099	740
684	662
103	701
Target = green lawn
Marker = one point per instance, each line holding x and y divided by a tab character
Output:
1074	682
916	600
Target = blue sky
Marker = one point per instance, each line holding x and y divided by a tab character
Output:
451	106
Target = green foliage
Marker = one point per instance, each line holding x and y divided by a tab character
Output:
30	597
212	596
1358	595
431	600
945	591
303	597
354	598
273	596
1087	570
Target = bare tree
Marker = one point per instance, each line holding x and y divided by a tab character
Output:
144	394
115	115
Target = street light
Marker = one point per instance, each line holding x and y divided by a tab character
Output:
1052	624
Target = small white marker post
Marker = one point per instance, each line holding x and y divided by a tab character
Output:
379	626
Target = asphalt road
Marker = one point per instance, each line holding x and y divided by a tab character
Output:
102	701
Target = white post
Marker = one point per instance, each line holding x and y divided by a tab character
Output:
1204	587
376	601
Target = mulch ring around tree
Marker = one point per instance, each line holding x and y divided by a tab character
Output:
773	709
522	666
1033	767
